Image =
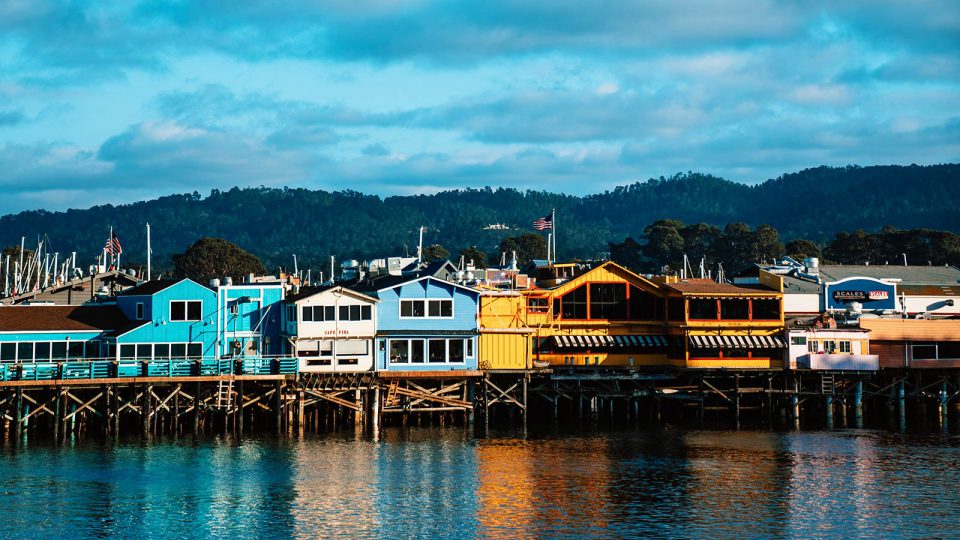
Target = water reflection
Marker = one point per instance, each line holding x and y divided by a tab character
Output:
436	482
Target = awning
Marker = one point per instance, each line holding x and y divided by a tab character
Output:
737	342
614	343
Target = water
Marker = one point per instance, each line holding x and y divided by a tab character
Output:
446	483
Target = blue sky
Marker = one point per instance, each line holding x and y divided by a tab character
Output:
110	102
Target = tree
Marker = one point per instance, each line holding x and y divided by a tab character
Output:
436	252
210	258
478	257
629	253
528	247
801	249
664	247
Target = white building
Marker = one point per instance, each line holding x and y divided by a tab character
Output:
331	329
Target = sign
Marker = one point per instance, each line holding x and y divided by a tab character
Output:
872	293
336	332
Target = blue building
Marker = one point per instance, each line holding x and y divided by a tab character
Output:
167	319
249	319
46	333
424	323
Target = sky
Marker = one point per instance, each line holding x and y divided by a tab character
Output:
112	102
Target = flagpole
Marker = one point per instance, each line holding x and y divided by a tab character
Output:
553	223
148	252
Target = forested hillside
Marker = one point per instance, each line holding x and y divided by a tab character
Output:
812	204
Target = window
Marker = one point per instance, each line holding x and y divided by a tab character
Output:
161	351
291	313
735	309
185	310
417	353
178	350
195	350
608	301
469	348
307	314
399	351
829	346
948	349
438	350
426	308
675	309
798	340
351	313
325	347
75	349
573	305
703	309
352	347
538	305
8	352
766	310
128	351
139	311
41	350
455	350
144	351
645	306
58	349
845	347
925	351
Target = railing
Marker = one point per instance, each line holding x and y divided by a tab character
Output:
177	367
839	362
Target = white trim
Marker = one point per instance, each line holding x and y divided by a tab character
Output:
450	283
426	309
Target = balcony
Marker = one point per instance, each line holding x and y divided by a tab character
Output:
839	362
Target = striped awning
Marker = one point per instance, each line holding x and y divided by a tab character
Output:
737	342
610	342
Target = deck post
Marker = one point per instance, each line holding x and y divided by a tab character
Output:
828	399
176	411
472	398
736	400
145	410
57	414
701	404
196	409
858	404
525	381
106	409
795	403
375	411
18	414
239	408
115	419
902	404
944	401
278	407
358	413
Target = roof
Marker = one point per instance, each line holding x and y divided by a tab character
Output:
706	286
793	285
908	275
90	318
371	286
929	290
307	292
148	288
126	327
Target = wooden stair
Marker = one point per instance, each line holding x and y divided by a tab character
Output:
827	384
225	395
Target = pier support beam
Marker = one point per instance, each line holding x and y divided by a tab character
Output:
944	402
828	405
902	405
795	404
858	404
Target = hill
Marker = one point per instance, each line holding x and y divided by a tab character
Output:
276	223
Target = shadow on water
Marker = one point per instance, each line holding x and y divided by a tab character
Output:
445	482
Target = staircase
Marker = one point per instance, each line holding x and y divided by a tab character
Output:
225	395
392	399
827	384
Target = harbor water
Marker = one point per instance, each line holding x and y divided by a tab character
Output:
449	483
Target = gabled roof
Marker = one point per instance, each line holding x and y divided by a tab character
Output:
149	288
88	318
628	275
308	292
706	286
390	282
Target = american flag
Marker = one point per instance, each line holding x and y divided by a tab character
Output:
112	246
544	223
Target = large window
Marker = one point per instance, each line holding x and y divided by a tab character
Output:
8	352
734	309
703	309
186	310
161	351
645	306
608	301
675	309
538	305
766	310
355	313
318	313
437	309
574	303
434	350
925	351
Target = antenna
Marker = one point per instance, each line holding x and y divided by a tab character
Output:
296	269
904	259
148	252
420	245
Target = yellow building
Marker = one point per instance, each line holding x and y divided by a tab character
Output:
727	326
504	334
607	316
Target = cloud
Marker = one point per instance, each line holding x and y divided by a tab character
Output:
11	117
375	150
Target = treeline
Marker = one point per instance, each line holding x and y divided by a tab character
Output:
274	224
664	243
